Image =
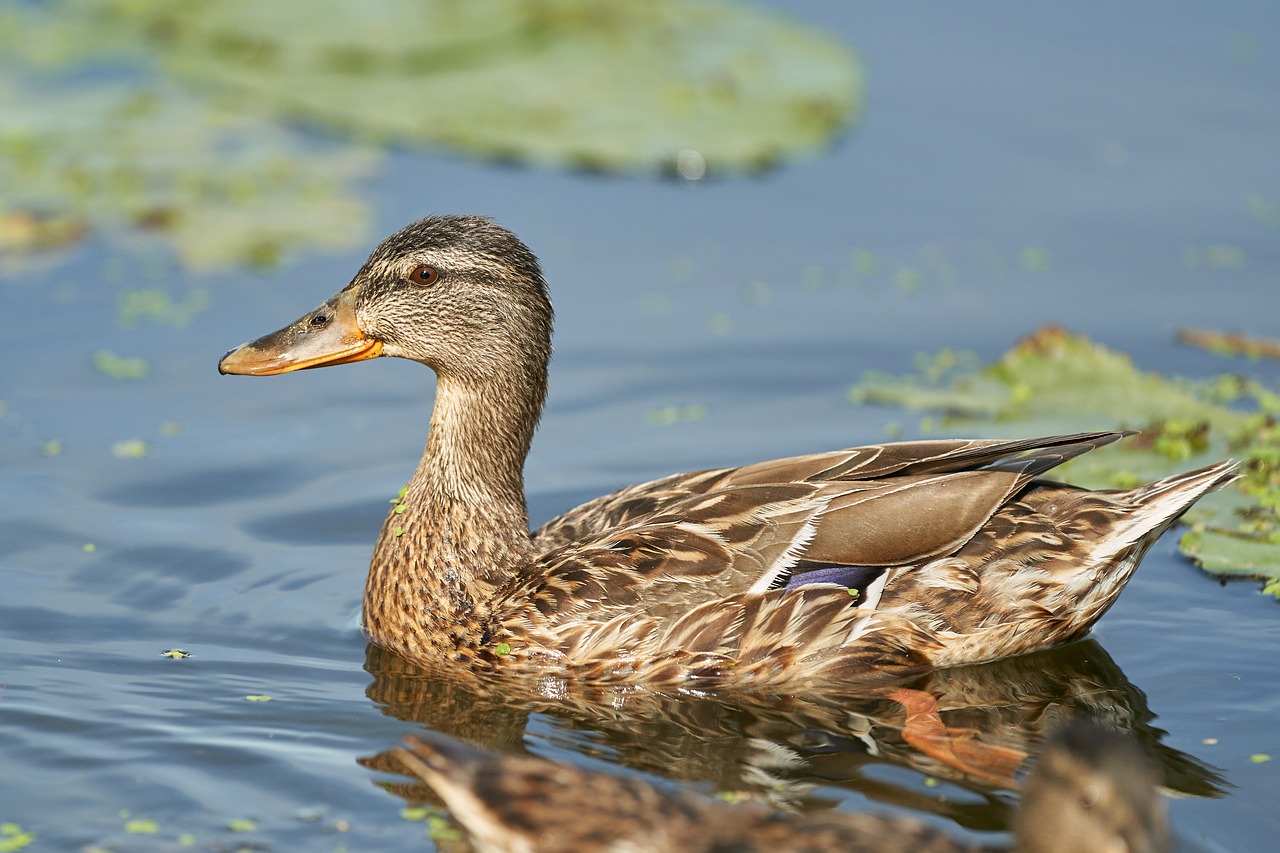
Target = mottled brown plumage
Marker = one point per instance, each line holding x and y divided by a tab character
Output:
820	569
1093	791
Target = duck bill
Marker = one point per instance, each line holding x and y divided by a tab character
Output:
328	335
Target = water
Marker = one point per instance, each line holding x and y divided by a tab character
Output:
1111	138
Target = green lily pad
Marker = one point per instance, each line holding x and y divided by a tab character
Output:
219	187
683	85
1054	381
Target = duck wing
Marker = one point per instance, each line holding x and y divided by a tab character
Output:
833	518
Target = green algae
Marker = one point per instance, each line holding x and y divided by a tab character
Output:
1054	381
147	119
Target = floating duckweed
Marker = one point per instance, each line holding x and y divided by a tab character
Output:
930	782
863	262
89	547
400	508
813	277
1035	259
242	824
414	813
757	293
52	447
502	649
400	494
668	415
186	839
132	448
1259	758
1223	257
399	531
105	361
907	279
142	826
176	654
1264	211
159	307
257	697
681	269
14	837
440	829
654	303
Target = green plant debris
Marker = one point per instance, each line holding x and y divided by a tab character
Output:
399	531
1262	210
125	156
89	547
1035	259
414	813
141	826
257	697
176	654
204	158
1259	758
442	829
105	361
668	415
159	307
14	837
1216	256
1054	381
131	448
502	649
1230	343
672	81
242	824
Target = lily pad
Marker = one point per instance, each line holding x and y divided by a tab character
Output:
1054	381
220	187
684	85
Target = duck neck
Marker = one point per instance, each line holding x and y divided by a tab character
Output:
461	526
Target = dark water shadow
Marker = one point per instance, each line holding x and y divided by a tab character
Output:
350	524
208	486
156	576
782	748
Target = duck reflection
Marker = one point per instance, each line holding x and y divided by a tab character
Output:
1092	790
971	726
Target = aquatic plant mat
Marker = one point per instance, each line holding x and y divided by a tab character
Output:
1054	381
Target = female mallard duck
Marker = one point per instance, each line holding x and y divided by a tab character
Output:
816	569
1092	791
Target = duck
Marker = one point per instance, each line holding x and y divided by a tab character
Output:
1092	789
823	570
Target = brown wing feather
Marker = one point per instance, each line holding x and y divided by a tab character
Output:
871	462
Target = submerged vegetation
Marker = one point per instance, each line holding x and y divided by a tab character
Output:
1055	381
144	116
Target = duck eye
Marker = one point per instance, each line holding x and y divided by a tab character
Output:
424	274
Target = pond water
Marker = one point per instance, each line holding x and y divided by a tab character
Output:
1013	168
